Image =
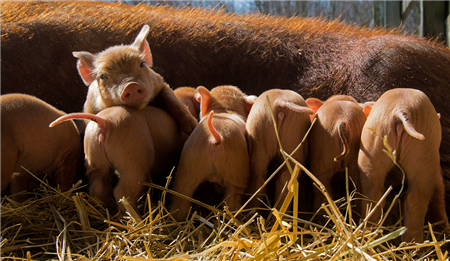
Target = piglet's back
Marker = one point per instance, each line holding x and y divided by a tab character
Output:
28	141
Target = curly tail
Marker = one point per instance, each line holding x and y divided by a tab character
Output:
407	125
79	116
341	130
213	131
101	122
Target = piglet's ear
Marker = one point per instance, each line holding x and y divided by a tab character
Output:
249	101
198	97
314	104
367	110
85	66
141	44
205	100
367	107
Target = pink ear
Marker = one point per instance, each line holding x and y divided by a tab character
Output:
205	100
85	65
85	72
367	110
249	101
367	107
198	97
314	104
145	49
141	44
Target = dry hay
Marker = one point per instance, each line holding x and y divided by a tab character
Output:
74	226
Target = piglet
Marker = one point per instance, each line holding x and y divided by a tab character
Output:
409	121
190	98
122	75
141	145
292	121
27	141
216	151
334	141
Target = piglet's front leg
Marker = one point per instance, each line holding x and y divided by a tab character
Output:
185	120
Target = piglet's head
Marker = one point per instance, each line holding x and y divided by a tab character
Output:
119	75
225	98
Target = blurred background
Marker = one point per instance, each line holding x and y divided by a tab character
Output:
421	18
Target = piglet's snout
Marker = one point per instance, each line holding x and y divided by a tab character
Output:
133	93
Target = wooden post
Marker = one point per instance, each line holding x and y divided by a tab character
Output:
434	16
387	13
393	13
448	24
407	6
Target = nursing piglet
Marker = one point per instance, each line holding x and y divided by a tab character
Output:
122	75
141	145
28	141
188	96
292	122
216	151
334	141
409	121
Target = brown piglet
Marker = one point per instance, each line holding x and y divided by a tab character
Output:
334	141
189	97
292	122
192	47
122	75
408	120
141	145
28	142
216	151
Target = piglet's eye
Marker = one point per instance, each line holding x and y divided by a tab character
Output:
103	76
142	65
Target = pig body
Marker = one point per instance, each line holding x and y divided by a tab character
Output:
188	97
334	141
141	145
409	121
262	142
193	47
121	75
216	151
26	140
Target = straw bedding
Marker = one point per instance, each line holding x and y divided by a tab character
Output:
72	225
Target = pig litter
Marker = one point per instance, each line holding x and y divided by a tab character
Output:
74	226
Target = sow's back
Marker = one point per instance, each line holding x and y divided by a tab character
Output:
194	47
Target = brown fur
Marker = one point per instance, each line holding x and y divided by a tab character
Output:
222	160
334	141
187	96
418	158
195	47
121	75
141	145
28	141
262	142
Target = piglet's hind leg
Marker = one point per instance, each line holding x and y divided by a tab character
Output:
100	185
129	187
421	184
185	183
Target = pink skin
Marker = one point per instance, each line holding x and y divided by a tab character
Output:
334	141
27	141
410	122
292	121
216	151
122	75
187	96
141	145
